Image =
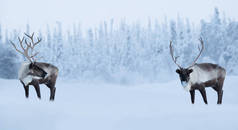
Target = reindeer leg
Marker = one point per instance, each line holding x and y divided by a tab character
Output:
220	94
26	88
51	86
26	91
37	88
192	93
52	93
203	93
220	91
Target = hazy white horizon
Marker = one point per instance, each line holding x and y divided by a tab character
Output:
15	14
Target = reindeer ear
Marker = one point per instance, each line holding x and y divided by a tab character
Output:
190	71
178	71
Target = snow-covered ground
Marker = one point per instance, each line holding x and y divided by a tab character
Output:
97	106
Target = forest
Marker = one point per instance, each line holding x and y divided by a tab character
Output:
127	52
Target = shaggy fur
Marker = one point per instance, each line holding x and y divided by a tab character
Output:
38	73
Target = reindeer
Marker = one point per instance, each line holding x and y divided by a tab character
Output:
32	72
199	76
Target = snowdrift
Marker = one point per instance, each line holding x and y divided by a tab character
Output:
105	106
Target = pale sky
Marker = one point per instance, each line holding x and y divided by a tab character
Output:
38	13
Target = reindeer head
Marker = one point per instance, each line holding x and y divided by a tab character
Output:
36	71
184	73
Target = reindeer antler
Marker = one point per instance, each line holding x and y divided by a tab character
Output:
172	55
32	44
29	45
200	52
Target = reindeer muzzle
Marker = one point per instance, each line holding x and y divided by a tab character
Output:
184	83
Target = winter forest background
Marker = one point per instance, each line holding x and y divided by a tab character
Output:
127	52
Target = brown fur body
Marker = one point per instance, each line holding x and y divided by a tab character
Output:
216	83
49	80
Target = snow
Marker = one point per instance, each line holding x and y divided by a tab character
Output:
107	106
